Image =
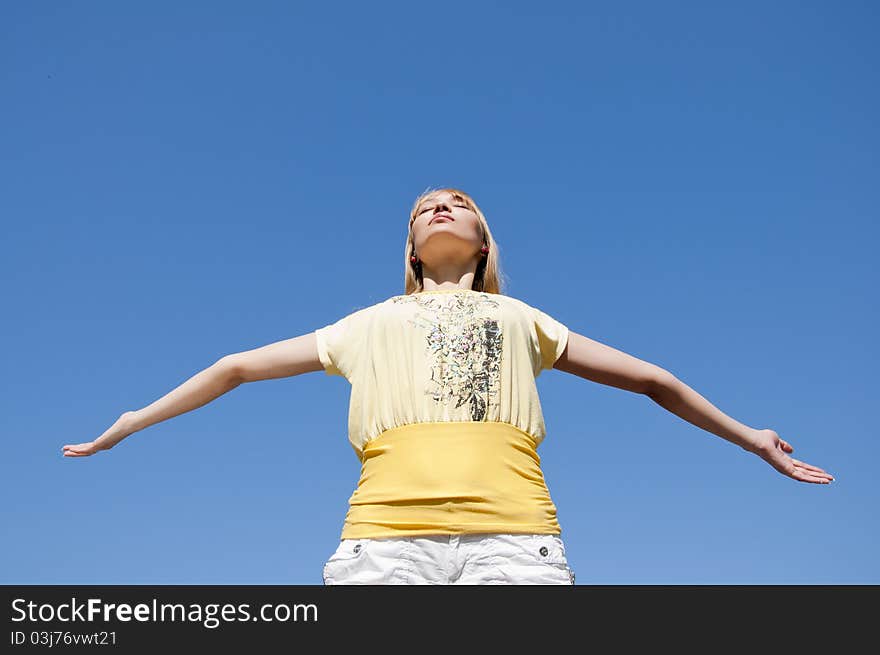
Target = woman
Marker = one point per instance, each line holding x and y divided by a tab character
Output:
444	413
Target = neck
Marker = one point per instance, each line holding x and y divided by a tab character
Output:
434	279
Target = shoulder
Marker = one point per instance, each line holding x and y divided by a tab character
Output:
357	314
517	304
511	300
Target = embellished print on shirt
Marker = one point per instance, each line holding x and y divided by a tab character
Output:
463	345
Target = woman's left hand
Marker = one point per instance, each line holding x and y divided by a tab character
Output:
770	447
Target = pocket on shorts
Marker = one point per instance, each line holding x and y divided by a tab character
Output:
346	554
520	559
550	549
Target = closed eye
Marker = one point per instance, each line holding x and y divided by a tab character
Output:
428	208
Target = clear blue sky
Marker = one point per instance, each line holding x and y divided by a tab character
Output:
695	185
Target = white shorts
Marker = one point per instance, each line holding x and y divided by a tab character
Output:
467	559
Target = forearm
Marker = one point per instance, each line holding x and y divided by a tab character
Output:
199	390
675	396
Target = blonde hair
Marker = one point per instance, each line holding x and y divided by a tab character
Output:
488	276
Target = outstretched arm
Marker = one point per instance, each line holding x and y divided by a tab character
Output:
276	360
598	362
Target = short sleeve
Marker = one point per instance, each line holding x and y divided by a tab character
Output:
341	344
552	337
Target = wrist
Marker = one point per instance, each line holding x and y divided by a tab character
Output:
752	440
125	425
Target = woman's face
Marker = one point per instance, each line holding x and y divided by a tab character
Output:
445	230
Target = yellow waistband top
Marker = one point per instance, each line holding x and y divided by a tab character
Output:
450	478
444	413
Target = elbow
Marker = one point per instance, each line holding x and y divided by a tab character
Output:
231	370
660	382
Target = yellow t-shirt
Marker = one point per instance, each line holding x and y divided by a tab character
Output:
444	412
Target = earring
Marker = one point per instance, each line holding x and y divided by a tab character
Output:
414	259
484	250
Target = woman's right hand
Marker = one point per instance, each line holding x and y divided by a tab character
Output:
112	436
81	449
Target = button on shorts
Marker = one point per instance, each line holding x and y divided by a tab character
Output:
467	559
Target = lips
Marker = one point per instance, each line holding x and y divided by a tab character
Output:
439	216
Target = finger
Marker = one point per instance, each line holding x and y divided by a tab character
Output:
819	473
807	466
787	447
814	480
807	476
